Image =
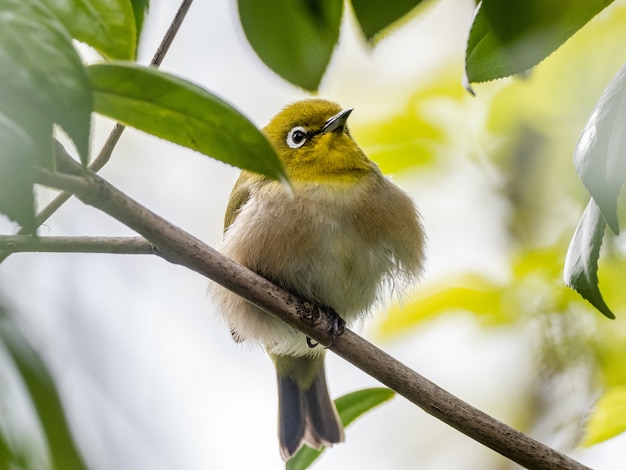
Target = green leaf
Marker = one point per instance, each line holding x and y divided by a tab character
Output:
509	37
349	407
140	8
43	79
410	135
106	25
294	38
183	113
468	292
16	173
44	396
6	455
374	16
13	458
600	155
609	417
353	405
581	263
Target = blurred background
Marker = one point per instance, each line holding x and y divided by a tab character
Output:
149	374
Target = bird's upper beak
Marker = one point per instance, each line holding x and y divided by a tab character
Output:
338	121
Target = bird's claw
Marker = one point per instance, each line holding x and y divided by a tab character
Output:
337	326
312	314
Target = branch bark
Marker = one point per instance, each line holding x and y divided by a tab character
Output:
179	247
107	245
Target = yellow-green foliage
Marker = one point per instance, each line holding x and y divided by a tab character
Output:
528	140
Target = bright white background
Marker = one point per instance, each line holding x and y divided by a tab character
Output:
150	374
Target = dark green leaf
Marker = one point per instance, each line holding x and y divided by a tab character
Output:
600	156
581	263
43	80
295	38
510	37
16	173
44	396
183	113
349	407
140	7
374	15
106	25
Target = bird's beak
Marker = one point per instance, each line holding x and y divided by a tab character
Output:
338	121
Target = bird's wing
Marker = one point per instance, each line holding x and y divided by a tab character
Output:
238	197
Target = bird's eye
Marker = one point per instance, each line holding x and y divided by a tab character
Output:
296	137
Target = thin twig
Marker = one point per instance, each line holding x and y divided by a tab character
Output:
96	165
179	247
170	34
108	245
107	149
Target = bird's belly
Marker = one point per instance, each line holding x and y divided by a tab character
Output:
315	252
340	271
315	248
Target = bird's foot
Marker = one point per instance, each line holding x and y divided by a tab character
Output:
336	327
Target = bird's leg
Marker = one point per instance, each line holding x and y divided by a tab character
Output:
337	325
312	314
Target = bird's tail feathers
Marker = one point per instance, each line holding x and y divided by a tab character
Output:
306	416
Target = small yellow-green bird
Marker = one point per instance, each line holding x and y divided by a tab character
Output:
343	235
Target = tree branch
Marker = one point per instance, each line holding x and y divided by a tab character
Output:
107	149
179	247
108	245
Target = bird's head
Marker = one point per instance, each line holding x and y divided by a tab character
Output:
313	142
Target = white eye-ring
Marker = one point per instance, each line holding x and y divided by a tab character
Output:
296	137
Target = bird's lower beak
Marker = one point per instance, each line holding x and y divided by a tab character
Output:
338	121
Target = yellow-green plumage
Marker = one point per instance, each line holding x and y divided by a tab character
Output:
344	234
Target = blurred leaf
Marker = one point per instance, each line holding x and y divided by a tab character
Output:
610	348
374	16
547	262
600	156
581	264
609	417
414	134
16	174
294	38
402	141
535	287
183	113
349	407
5	453
469	292
106	25
11	458
45	398
140	8
510	37
43	79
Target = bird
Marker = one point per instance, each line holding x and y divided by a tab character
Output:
342	237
